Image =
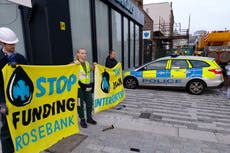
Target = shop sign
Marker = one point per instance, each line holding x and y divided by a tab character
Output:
22	2
146	34
127	4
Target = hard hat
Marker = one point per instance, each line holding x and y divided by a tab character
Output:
8	36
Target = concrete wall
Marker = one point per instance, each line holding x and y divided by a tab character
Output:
160	13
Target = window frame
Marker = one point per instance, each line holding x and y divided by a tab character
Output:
179	66
192	65
145	67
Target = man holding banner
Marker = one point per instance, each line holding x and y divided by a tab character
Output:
42	106
109	90
8	40
84	92
109	80
111	59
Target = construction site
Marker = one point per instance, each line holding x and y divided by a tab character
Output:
167	36
214	44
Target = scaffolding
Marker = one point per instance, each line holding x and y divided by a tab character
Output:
167	35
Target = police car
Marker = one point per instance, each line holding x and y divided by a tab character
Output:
194	73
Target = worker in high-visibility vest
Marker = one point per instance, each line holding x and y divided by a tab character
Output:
85	87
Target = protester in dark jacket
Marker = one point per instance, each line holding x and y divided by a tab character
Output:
8	40
110	60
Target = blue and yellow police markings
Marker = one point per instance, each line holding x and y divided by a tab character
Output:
163	73
149	74
194	72
168	76
160	77
206	73
138	74
178	73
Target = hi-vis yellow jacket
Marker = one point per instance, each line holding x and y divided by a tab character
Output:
84	76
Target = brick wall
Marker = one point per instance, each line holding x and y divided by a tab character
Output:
139	3
148	22
148	25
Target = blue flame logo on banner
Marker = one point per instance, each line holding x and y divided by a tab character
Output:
112	90
105	82
20	88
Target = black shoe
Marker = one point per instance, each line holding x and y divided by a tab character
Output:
91	121
83	123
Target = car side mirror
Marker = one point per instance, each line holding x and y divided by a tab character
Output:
144	68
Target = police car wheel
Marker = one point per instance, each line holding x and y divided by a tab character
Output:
196	87
130	83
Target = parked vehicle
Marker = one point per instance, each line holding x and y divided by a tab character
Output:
215	44
194	73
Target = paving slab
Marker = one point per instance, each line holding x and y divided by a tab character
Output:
66	145
199	135
179	123
223	138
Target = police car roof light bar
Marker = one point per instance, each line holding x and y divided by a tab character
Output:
174	55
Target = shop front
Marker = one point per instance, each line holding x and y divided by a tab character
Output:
102	25
52	30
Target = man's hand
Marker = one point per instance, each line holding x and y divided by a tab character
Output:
13	64
4	109
93	67
77	62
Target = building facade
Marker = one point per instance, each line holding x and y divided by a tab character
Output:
162	15
139	3
52	30
163	18
148	42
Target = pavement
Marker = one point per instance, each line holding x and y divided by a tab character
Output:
162	121
152	120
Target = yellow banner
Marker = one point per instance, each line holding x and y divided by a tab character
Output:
108	88
42	105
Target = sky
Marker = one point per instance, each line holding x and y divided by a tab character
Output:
209	15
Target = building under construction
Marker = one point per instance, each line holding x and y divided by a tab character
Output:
167	35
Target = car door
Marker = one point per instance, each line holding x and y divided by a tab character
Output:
156	73
178	72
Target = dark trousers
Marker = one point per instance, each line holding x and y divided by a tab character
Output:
7	144
85	98
228	86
